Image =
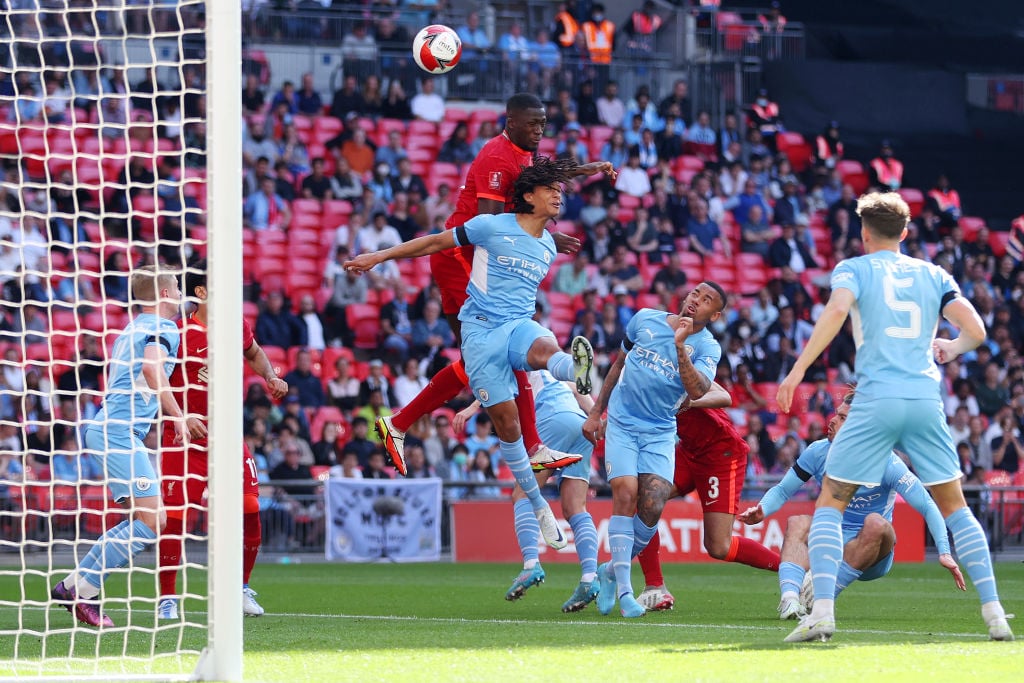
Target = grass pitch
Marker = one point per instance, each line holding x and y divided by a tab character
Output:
447	622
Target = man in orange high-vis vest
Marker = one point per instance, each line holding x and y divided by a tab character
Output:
600	38
828	148
565	26
887	169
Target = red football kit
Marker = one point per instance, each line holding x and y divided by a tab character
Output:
492	175
711	458
184	471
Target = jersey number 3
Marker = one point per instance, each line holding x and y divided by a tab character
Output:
913	330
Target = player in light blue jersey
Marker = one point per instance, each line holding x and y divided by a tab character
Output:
868	535
513	254
895	302
561	412
665	358
137	391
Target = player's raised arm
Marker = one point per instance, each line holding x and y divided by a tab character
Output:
825	330
153	371
261	365
421	246
962	314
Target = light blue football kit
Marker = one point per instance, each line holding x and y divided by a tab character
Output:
899	300
642	409
879	499
130	407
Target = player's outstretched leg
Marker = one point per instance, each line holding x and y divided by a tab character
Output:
586	592
526	579
394	442
655	596
791	576
585	538
973	552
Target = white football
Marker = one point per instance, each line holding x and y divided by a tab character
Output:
437	49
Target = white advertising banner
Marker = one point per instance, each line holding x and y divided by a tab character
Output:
373	520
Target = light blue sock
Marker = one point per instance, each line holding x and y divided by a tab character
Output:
527	530
113	550
518	461
973	553
561	367
642	535
620	538
584	535
845	577
825	547
791	577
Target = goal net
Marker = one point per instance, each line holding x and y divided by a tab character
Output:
105	110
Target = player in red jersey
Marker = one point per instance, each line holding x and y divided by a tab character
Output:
183	471
711	459
488	189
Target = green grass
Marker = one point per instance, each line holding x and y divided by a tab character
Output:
445	622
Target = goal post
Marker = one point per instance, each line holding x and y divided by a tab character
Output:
120	146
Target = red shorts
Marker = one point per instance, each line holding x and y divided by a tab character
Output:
184	474
716	474
451	270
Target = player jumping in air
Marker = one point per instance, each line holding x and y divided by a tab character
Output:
711	459
489	189
894	302
183	469
137	390
499	334
869	538
665	359
561	412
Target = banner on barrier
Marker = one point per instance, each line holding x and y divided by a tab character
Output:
370	520
484	531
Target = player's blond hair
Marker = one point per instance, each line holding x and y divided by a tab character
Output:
885	214
146	283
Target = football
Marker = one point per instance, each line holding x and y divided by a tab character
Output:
437	49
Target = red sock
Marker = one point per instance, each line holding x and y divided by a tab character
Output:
749	552
171	546
650	563
252	534
445	386
527	412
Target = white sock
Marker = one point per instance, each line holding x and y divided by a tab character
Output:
823	608
529	564
991	611
588	577
790	595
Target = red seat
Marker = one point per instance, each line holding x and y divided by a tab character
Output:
419	127
971	225
307	206
914	199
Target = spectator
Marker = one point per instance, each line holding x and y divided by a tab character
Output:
703	231
483	438
284	181
440	445
611	110
622	270
292	470
668	143
115	282
326	451
287	98
379	235
456	149
887	170
347	100
395	104
348	468
476	46
376	381
648	112
393	152
518	56
313	323
255	174
991	393
595	211
640	29
729	136
750	196
947	201
253	99
431	333
788	326
345	183
266	210
790	208
258	144
599	37
376	468
317	185
439	205
343	388
377	401
359	51
358	152
373	97
416	464
571	277
409	384
765	444
482	470
395	325
756	233
679	97
615	149
277	326
307	100
828	147
427	105
633	179
701	132
641	233
764	116
360	443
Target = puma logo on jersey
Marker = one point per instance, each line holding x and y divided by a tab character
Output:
649	331
510	239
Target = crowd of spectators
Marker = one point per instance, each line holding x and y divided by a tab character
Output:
367	167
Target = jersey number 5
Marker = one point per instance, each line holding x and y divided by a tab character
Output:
913	330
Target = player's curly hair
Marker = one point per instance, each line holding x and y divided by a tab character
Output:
545	172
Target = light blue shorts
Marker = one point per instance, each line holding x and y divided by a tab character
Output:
863	447
126	461
492	354
564	432
628	453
